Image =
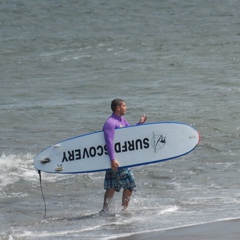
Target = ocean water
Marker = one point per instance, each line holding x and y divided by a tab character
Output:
62	62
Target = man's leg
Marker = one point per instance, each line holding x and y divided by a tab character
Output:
126	198
108	198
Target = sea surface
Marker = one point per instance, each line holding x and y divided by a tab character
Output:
61	64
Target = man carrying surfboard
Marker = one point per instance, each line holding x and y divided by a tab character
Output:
117	178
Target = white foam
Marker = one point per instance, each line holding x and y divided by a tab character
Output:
59	233
168	209
16	167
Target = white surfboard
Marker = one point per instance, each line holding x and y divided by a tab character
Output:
135	145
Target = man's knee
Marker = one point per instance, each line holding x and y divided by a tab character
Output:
130	189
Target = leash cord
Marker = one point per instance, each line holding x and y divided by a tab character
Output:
45	207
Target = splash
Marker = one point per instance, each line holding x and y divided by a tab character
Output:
16	167
20	167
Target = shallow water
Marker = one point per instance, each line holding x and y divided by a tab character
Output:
62	62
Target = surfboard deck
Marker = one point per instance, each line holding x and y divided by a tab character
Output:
135	145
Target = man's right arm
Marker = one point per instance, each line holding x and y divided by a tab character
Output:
109	130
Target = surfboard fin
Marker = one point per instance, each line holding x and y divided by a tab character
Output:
59	168
56	146
45	160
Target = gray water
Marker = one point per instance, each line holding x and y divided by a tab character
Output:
61	64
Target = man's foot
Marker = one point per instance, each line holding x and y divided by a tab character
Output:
103	211
124	209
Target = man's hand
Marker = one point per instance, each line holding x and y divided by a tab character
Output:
143	119
114	165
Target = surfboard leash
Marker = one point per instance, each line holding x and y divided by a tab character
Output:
45	207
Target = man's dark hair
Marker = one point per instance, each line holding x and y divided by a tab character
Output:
115	103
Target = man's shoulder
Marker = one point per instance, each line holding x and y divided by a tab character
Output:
110	122
109	119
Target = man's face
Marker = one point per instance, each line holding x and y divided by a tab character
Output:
122	109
